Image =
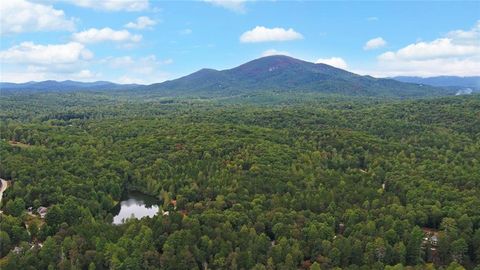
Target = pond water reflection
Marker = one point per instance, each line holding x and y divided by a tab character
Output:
136	205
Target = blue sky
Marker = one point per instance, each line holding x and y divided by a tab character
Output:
152	41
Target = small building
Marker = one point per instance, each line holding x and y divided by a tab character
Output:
430	236
434	240
42	211
341	228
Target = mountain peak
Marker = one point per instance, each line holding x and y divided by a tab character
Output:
285	73
270	65
281	60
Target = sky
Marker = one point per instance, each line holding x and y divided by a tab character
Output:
146	41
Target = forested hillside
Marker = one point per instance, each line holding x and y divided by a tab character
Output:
293	183
286	74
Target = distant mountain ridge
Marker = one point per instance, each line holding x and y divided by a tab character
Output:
287	74
272	73
52	85
443	81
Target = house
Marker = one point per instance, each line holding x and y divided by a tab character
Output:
42	211
17	250
434	240
430	236
430	244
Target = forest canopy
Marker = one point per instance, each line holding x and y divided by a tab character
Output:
254	182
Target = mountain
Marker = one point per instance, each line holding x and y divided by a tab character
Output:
283	73
64	86
453	82
267	74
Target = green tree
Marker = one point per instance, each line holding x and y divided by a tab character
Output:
414	249
459	249
5	243
15	207
315	266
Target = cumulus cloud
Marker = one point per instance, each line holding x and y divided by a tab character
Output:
271	52
337	62
142	22
112	5
29	61
374	43
233	5
31	53
19	16
94	35
471	36
439	48
263	34
72	61
456	53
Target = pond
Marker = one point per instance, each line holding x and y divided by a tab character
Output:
135	205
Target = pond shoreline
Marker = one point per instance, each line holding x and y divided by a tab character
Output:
3	186
135	204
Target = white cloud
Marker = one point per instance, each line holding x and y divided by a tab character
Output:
233	5
427	68
85	74
71	62
19	16
94	35
456	53
147	69
112	5
270	52
141	70
374	43
20	77
439	48
471	36
337	62
263	34
125	79
372	19
136	65
29	61
31	53
142	22
33	74
129	78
